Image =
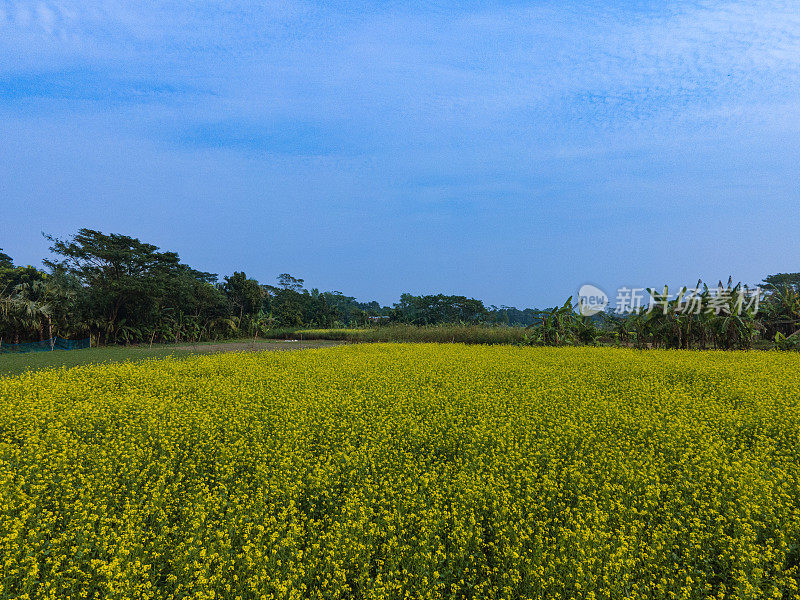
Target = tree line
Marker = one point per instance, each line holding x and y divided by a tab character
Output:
117	289
723	317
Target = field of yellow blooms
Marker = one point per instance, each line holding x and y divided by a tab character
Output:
405	471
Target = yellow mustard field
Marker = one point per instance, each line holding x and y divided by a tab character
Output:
405	471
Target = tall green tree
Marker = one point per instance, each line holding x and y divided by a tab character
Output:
129	282
244	294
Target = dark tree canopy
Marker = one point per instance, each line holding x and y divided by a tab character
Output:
780	280
130	283
245	295
5	260
287	282
99	259
426	310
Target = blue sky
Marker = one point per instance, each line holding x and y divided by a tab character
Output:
508	151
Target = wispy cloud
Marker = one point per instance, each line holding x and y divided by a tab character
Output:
94	86
430	117
275	137
592	63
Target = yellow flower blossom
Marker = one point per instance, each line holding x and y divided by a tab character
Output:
405	471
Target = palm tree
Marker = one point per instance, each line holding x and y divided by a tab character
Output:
31	304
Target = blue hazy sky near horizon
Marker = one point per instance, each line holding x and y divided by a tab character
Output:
509	151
